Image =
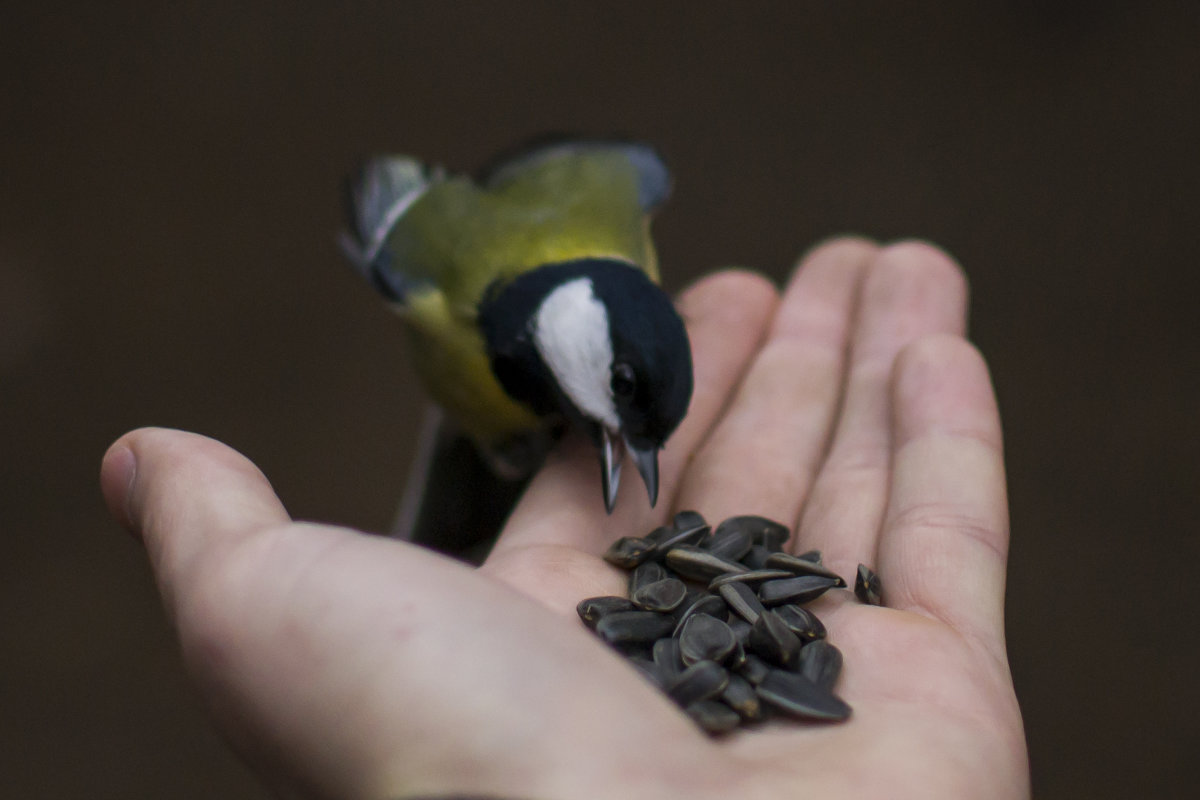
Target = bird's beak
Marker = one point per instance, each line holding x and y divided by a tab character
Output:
612	453
646	459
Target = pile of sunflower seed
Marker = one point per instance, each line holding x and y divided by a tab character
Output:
716	619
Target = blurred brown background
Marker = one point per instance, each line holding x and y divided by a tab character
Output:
168	206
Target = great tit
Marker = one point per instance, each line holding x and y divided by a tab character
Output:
530	295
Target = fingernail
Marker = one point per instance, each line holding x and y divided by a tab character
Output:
118	473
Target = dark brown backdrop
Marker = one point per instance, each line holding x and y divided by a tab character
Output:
168	202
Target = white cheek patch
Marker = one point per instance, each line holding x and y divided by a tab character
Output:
570	331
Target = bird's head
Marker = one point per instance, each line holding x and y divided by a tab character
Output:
596	341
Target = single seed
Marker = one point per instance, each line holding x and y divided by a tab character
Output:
742	698
629	551
795	590
706	603
645	574
742	599
700	681
802	566
729	541
754	576
666	657
797	695
705	638
754	669
686	520
740	628
700	565
757	557
634	627
771	639
801	622
811	555
821	663
593	608
664	595
713	716
762	531
867	586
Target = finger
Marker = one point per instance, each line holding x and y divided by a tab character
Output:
763	454
944	543
184	494
726	315
910	290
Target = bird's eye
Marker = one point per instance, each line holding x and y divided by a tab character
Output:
623	382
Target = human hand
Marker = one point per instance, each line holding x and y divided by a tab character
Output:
347	665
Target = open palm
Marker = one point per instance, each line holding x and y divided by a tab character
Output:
347	665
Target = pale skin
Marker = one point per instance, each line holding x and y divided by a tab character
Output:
345	665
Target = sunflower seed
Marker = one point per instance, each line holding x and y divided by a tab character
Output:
771	639
633	627
811	555
821	663
700	565
713	716
754	576
662	595
797	695
795	590
740	628
705	638
801	622
629	551
729	541
757	557
867	586
593	608
802	566
644	574
666	657
706	603
742	599
763	531
700	681
741	697
754	669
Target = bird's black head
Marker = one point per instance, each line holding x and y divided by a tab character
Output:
599	342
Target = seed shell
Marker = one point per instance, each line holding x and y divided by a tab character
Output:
629	551
797	695
742	599
754	669
632	627
593	608
664	595
802	566
706	603
762	531
753	576
700	681
666	657
742	698
700	565
771	639
801	622
705	638
644	574
821	663
800	589
729	541
713	716
757	557
867	586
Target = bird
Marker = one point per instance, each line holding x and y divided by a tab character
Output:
531	299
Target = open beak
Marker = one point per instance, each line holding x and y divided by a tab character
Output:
612	453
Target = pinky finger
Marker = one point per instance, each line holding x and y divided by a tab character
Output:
944	543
